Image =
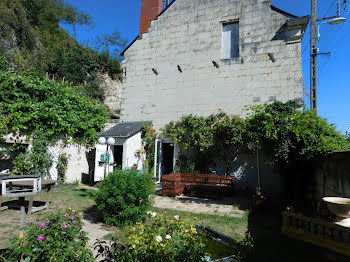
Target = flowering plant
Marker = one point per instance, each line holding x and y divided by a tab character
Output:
60	238
161	238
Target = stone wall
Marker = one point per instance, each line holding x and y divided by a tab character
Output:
113	92
189	34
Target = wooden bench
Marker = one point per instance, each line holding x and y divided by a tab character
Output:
196	185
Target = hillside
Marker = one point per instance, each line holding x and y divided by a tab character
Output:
33	41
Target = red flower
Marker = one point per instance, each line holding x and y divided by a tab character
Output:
262	197
165	255
6	120
169	257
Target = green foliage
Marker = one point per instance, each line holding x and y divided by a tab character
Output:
287	134
149	136
114	40
123	196
162	239
46	112
60	238
34	161
62	167
48	109
77	64
30	33
290	135
3	63
204	139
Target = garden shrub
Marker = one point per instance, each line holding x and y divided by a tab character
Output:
123	196
60	238
164	238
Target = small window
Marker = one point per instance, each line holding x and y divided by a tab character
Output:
230	40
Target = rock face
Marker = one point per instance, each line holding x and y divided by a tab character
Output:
113	92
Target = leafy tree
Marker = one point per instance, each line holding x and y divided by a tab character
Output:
113	40
35	41
290	135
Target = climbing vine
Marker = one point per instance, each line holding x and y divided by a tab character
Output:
203	140
46	112
286	133
149	136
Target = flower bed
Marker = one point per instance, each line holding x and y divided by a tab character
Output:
60	238
163	238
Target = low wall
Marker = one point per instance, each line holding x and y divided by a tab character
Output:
332	176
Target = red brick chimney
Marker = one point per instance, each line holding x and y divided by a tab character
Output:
150	9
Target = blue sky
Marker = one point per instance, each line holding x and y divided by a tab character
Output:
333	81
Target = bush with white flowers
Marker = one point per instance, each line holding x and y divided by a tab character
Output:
161	238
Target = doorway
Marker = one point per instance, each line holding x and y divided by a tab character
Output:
164	158
118	156
168	158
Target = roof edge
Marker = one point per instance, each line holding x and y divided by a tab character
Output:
122	53
126	48
274	8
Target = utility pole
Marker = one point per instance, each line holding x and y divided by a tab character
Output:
332	20
313	58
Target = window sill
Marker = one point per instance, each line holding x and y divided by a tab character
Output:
229	61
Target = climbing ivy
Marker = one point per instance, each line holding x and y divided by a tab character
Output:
290	134
149	136
206	139
46	112
286	133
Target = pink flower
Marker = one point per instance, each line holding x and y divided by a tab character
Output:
73	217
65	215
40	238
42	225
64	225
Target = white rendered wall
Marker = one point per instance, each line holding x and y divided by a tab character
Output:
130	159
77	161
130	146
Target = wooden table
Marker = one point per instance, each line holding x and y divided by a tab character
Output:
45	184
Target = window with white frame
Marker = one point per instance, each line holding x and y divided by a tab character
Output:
230	40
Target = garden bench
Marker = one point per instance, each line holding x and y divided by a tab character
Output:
196	185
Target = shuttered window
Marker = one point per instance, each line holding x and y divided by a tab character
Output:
230	40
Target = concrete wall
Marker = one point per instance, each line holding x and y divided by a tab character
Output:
332	176
130	146
77	164
77	161
189	34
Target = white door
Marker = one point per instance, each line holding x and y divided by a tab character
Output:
158	159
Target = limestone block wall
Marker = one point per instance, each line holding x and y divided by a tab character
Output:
113	91
189	35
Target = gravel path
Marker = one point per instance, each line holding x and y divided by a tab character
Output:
227	206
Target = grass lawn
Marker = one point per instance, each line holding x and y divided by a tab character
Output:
80	198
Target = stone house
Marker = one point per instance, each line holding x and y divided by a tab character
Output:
202	56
